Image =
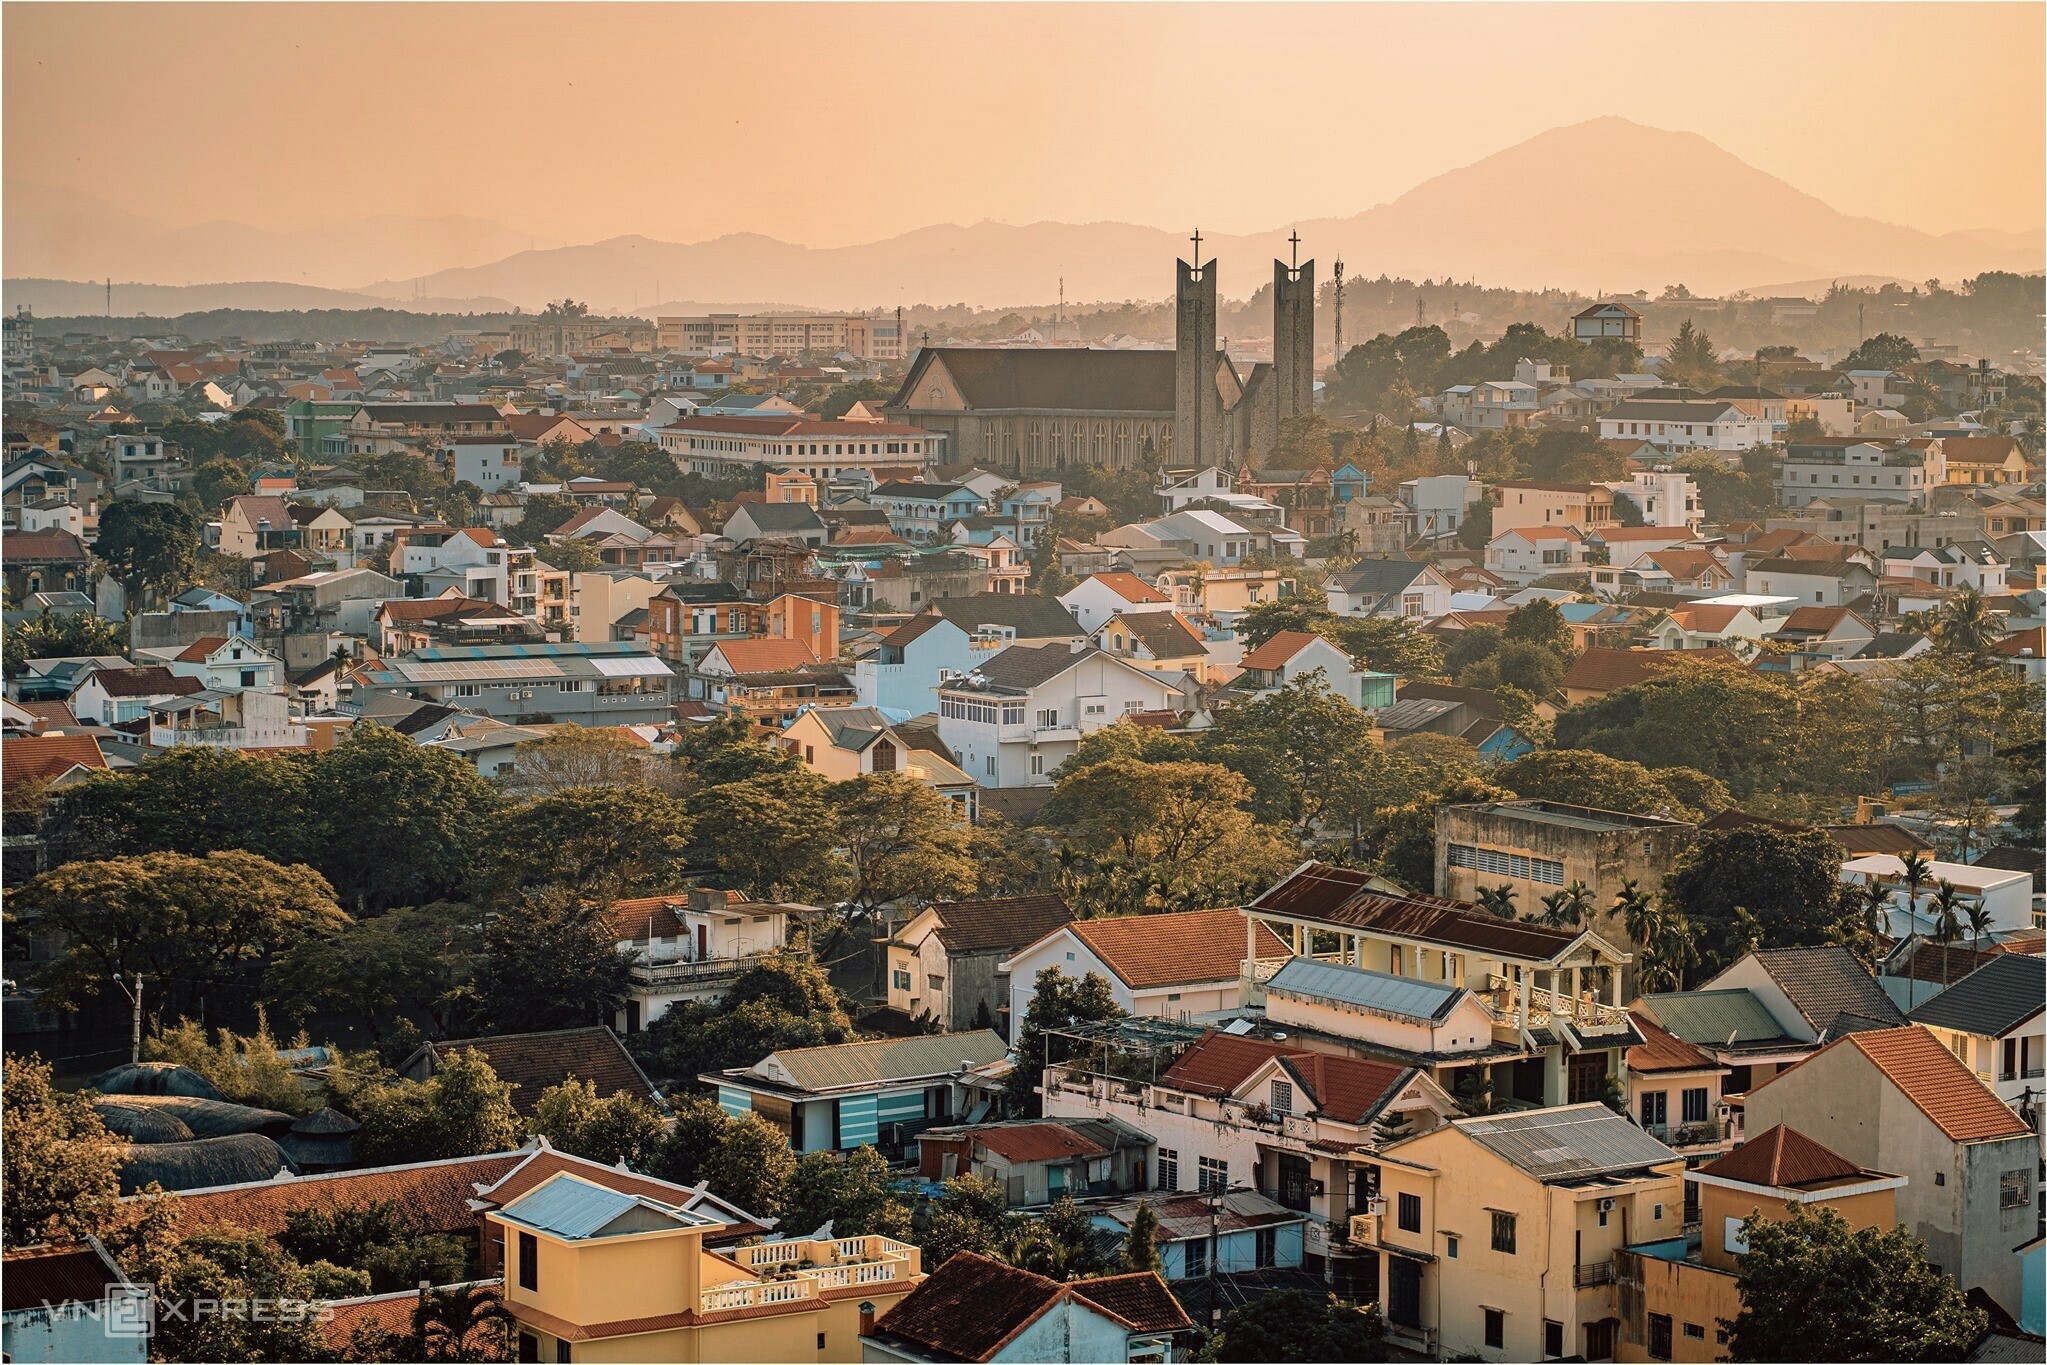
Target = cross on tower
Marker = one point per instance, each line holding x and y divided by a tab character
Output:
1296	240
1197	248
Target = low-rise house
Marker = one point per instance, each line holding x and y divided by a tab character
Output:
590	684
1389	589
946	961
109	696
795	522
2006	897
239	719
596	1272
1525	554
44	561
1994	1021
1693	573
1825	632
1625	546
1247	1234
879	1094
1533	504
1707	625
1096	598
1678	1295
1961	564
1291	655
1167	966
1471	1214
1674	1091
1716	424
533	1063
227	663
1601	670
1896	1100
404	624
1023	712
1041	1161
1468	713
66	1301
1160	641
921	512
974	1308
694	945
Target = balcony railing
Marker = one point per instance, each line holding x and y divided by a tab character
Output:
1583	1015
803	1269
679	973
1599	1272
1698	1134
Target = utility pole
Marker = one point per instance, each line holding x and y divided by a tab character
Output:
1059	318
110	296
1861	330
135	1028
1339	308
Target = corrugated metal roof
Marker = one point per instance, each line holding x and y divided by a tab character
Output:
1575	1140
1710	1018
1428	1001
570	1206
847	1064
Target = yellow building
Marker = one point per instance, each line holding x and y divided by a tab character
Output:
1676	1293
1498	1233
593	1274
1156	641
1531	504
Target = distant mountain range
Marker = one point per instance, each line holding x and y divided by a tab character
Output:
1603	206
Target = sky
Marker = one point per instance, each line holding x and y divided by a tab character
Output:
827	125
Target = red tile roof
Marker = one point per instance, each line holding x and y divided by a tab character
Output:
1346	1089
1036	1142
1130	587
1141	1300
1782	1158
435	1193
1176	949
1600	669
1933	1078
1221	1062
50	715
149	681
632	920
534	1062
1705	619
38	758
766	654
972	1306
1006	922
1662	1050
27	547
1280	648
201	649
64	1272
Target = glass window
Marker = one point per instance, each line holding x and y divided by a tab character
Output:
1410	1213
1495	1328
1503	1233
1169	1168
1282	1097
1212	1175
1659	1336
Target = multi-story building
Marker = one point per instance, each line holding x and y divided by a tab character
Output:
1023	712
1882	471
693	945
1022	409
1602	321
1533	503
1498	1233
1993	1020
782	334
589	684
702	444
375	428
946	960
594	1273
1686	424
877	1094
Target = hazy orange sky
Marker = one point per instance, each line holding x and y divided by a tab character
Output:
834	124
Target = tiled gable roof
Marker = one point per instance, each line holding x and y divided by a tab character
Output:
1220	1062
1936	1080
766	654
436	1194
1275	652
632	920
1129	587
1829	987
1347	1089
1661	1050
1070	379
1601	669
1173	949
1991	1001
36	758
1035	1142
1006	922
150	681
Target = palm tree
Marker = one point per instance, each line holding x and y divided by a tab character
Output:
1947	920
1979	920
1965	625
450	1323
1578	900
1916	869
1556	910
1748	930
1872	905
1639	913
1497	901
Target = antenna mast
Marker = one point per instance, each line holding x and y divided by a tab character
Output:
1339	308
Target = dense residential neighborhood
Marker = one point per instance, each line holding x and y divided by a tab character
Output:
763	837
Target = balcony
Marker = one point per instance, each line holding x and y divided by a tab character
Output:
793	1271
1705	1133
685	973
1364	1229
1584	1016
1038	734
1590	1276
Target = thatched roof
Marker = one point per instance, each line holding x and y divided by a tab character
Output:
325	1120
318	1151
197	1165
155	1078
204	1118
143	1125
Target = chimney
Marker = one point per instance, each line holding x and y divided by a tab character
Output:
866	1319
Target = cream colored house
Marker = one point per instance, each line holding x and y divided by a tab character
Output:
1498	1233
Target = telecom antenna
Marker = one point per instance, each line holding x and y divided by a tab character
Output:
1339	307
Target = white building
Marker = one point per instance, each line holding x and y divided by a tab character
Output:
701	444
1100	596
1685	424
1527	553
1022	713
1861	467
1158	966
2007	896
1664	497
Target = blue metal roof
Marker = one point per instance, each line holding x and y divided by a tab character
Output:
1423	1001
570	1206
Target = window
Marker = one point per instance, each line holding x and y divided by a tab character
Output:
529	1347
1659	1336
937	983
1048	719
1410	1213
529	1261
561	1352
1450	1246
1169	1168
1503	1232
1282	1097
1495	1328
1697	1105
1266	1249
1695	1331
901	980
2011	1190
1197	1258
820	1341
1734	1237
467	689
1212	1175
570	684
1037	765
1552	1338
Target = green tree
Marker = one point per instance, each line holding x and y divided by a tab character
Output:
412	964
774	837
784	1001
572	756
152	547
570	555
1294	745
247	1069
378	1237
1786	881
429	804
622	1127
229	1265
1268	619
1734	725
855	1192
615	841
463	1109
1141	1243
1530	667
551	960
699	1126
214	482
1302	443
188	925
1690	359
901	840
60	1169
726	751
752	1165
1384	646
1293	1324
1058	1001
1966	627
844	396
1884	351
1873	1288
463	1322
971	1213
51	635
1585	777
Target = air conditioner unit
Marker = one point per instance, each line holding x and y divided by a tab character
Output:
1606	1206
1376	1207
